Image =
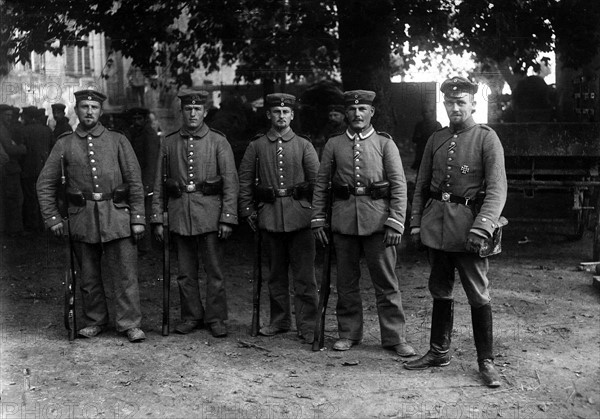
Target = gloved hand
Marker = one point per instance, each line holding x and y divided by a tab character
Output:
474	243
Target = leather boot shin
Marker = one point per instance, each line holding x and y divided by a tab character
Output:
442	320
484	343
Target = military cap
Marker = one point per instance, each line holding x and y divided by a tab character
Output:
336	108
355	97
280	99
4	107
89	94
138	112
193	97
455	86
40	112
30	111
58	107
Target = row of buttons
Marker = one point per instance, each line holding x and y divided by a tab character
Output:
91	155
191	161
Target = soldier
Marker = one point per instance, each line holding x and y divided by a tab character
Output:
336	124
459	162
106	214
286	165
37	137
62	122
368	213
146	146
202	203
10	191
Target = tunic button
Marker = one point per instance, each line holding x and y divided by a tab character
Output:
451	151
281	176
453	142
281	169
484	219
357	167
447	185
92	161
281	162
357	183
191	145
449	167
358	175
93	169
91	153
91	144
455	136
191	153
191	138
97	186
449	158
279	148
95	177
358	144
53	217
282	183
191	160
357	160
90	137
191	167
279	141
191	175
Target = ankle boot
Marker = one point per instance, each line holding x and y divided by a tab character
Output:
442	318
484	338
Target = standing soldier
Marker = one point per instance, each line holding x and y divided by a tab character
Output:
106	214
286	166
203	189
146	146
368	213
459	162
62	122
37	138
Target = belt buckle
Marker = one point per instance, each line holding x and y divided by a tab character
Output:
96	196
190	188
445	196
281	192
360	190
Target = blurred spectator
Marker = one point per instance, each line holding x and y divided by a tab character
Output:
137	81
336	124
423	130
532	97
62	122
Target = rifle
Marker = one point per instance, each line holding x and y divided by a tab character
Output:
326	275
70	283
166	248
257	271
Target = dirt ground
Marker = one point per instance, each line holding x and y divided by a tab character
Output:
547	332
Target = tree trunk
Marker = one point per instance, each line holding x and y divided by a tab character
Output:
364	45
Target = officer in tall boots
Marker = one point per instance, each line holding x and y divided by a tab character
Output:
460	163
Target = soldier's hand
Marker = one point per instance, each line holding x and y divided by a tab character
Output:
391	237
415	239
320	235
137	231
58	229
158	232
474	243
251	220
224	231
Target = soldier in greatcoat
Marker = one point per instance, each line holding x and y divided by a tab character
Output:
460	192
286	166
106	214
368	214
202	203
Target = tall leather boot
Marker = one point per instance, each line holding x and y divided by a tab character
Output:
442	318
484	338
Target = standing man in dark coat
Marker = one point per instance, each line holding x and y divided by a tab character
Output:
203	192
287	166
459	161
106	214
62	122
146	145
368	213
37	138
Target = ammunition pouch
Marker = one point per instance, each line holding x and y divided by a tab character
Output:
172	188
121	193
213	186
341	192
380	189
303	191
76	198
265	194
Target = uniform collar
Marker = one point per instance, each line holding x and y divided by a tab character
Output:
469	123
273	135
94	132
362	135
200	132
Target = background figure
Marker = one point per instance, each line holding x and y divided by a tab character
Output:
336	124
62	122
146	145
37	138
10	184
106	215
532	98
286	165
423	130
202	204
137	81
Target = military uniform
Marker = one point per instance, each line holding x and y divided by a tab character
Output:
37	138
359	221
196	157
284	161
62	124
96	162
458	162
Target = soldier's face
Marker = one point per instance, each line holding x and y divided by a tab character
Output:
88	112
280	116
359	116
193	116
6	117
459	108
58	115
335	116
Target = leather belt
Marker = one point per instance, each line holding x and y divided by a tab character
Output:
97	196
193	187
448	197
281	193
360	190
